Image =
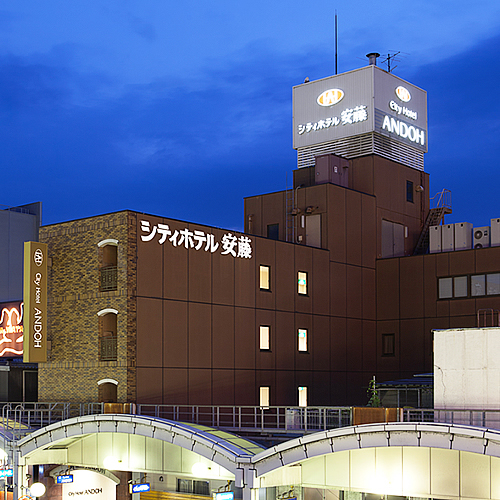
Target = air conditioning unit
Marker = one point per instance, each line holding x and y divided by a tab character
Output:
435	239
495	233
481	237
448	237
463	235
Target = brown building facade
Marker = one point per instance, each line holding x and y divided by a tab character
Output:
324	289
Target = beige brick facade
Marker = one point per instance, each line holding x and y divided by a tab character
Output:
73	368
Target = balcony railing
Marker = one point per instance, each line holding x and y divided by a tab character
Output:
20	419
108	278
108	348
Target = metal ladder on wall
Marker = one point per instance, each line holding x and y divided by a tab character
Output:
442	206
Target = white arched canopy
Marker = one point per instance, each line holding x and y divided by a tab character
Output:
136	443
417	460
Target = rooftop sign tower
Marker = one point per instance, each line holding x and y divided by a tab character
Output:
361	112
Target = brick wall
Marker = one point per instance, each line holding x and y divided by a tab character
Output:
73	368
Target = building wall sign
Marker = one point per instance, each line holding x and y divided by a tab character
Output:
66	478
403	93
229	244
88	484
11	329
364	97
140	488
35	302
330	97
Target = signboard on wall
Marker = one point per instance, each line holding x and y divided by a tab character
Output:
357	102
11	329
35	302
89	485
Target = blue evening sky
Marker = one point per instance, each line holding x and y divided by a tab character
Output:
183	108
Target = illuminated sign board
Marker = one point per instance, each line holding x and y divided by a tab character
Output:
11	329
89	485
366	100
35	302
140	488
229	244
68	478
224	495
6	473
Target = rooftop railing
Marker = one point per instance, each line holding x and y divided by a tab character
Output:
20	419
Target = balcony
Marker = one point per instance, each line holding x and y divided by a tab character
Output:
108	348
108	278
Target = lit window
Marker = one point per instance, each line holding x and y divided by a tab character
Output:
264	277
302	396
302	283
302	339
264	396
264	338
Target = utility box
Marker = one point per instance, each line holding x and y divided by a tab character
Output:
448	238
481	237
463	235
495	232
435	239
332	168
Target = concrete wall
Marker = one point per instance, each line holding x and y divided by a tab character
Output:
467	368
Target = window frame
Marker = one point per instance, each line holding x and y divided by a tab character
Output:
302	396
388	353
264	396
304	290
262	328
267	288
305	342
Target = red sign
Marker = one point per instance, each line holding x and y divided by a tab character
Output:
11	329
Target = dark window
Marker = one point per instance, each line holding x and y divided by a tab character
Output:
409	191
108	337
201	487
273	231
108	270
388	344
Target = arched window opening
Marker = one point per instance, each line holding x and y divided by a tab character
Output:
108	265
108	390
108	339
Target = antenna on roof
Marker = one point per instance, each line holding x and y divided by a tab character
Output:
390	59
336	41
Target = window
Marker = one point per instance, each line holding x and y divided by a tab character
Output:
477	285
264	338
388	341
108	265
108	338
273	231
302	336
493	284
264	277
409	191
445	288
302	396
264	396
460	286
302	282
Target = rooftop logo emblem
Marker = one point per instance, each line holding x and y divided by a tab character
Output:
403	94
330	97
